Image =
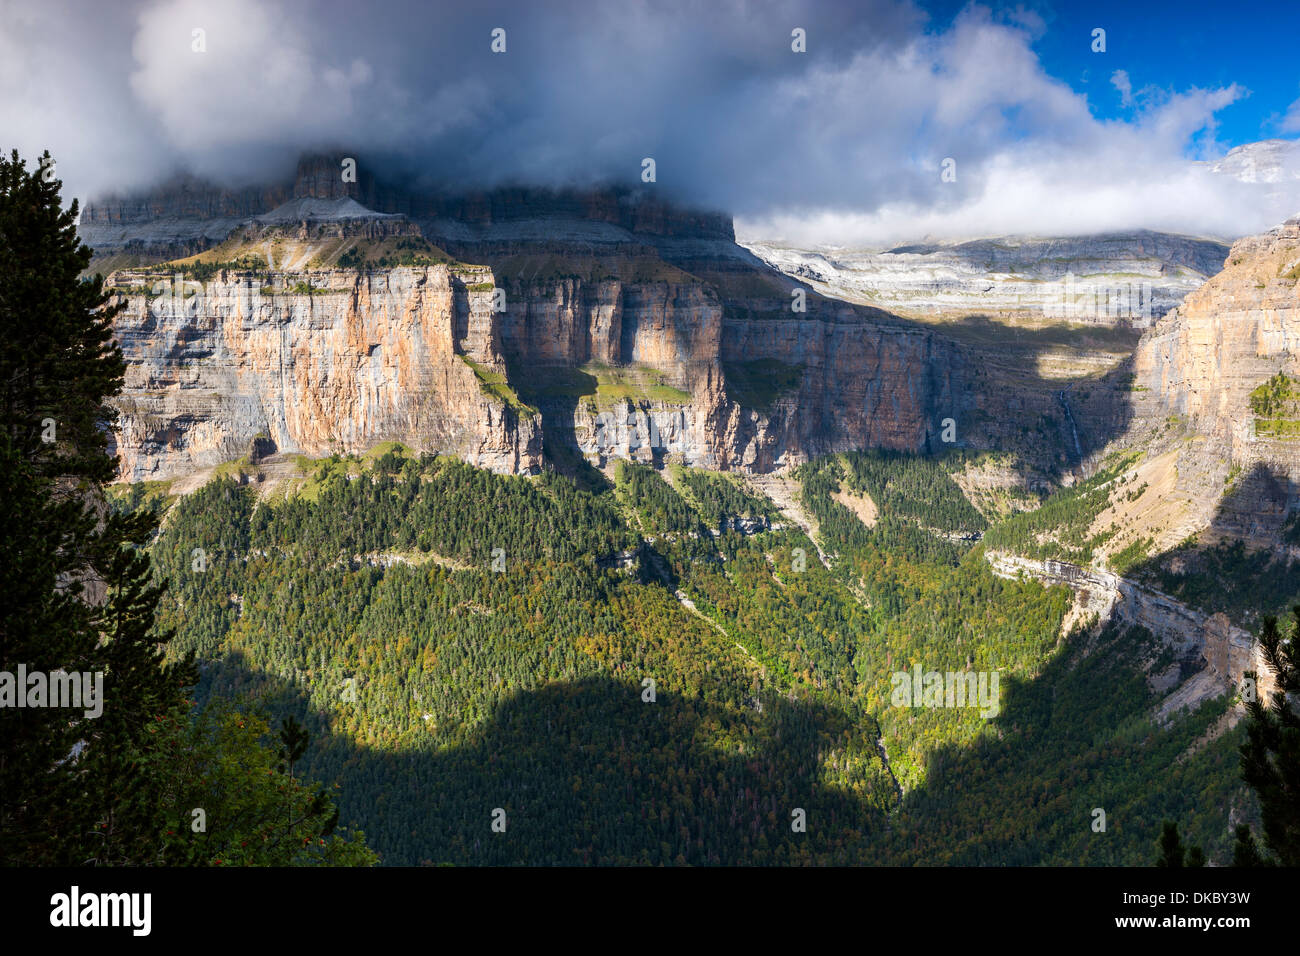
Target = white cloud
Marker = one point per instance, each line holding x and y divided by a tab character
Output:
1057	199
843	143
1068	173
1119	79
1291	121
62	92
256	81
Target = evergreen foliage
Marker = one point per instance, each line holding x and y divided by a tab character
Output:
439	690
1270	757
77	786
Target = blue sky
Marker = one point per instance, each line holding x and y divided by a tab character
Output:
1169	46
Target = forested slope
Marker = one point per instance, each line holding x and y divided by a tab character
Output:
462	643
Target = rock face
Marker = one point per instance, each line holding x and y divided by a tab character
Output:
375	355
1268	161
1242	326
1211	655
863	385
214	367
681	342
1119	279
1200	363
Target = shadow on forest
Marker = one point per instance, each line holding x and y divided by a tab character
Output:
1076	739
587	772
1087	719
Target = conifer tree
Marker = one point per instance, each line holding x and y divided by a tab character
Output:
79	598
129	778
1170	845
1270	757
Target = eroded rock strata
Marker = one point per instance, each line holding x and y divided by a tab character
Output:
616	325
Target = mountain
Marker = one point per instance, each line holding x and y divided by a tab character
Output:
493	462
1124	279
187	215
627	328
1114	279
1268	161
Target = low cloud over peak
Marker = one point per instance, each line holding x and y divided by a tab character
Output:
844	143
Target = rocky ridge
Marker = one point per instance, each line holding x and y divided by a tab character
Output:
1197	368
1120	279
609	324
1211	655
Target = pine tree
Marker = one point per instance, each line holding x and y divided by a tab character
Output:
293	742
78	597
1173	853
1270	757
143	780
1244	851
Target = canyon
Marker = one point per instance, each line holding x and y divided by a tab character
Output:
526	329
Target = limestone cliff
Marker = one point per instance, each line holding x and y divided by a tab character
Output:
1115	279
1198	366
361	358
604	322
1211	655
1239	328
